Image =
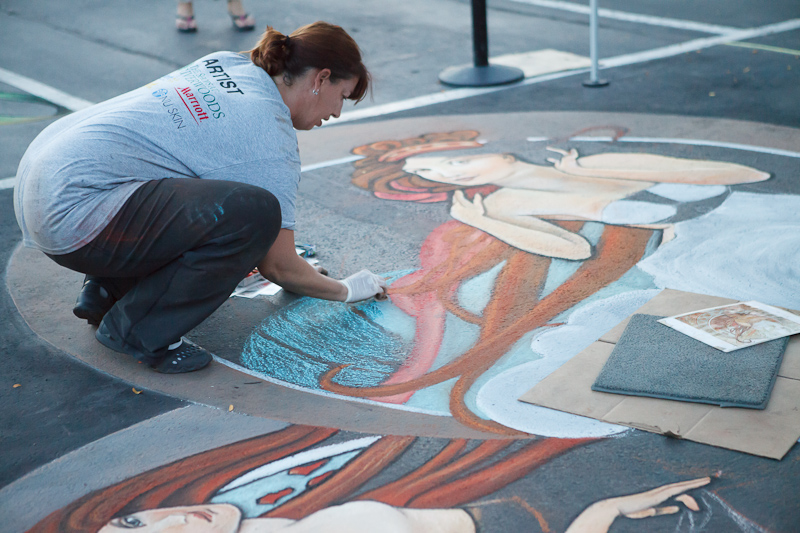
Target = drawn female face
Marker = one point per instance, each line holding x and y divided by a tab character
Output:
213	518
468	171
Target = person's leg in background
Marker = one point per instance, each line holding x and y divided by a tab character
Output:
242	21
171	256
184	19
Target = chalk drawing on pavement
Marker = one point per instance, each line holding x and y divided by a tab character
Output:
318	479
539	260
17	108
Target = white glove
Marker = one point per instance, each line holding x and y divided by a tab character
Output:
363	285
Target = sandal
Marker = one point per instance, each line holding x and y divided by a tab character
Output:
243	22
185	24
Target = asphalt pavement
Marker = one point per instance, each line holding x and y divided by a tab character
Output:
715	59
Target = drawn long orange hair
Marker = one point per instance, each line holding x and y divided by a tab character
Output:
458	474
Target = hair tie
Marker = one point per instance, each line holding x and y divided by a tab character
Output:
286	41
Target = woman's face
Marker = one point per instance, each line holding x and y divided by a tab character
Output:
469	170
213	518
328	103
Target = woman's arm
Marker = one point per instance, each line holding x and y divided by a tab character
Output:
525	232
284	267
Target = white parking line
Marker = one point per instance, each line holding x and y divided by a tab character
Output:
441	97
699	44
41	90
8	183
332	162
618	61
631	17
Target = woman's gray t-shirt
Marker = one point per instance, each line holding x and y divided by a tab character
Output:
221	117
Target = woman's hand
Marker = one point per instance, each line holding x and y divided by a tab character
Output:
568	161
363	285
465	211
599	516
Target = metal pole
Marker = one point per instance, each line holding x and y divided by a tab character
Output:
593	80
480	73
480	33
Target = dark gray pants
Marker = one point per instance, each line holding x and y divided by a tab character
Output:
174	253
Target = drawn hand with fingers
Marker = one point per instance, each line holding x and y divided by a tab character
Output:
598	517
466	211
568	161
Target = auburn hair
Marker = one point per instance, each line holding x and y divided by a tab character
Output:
318	45
381	169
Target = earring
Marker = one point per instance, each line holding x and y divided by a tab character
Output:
315	91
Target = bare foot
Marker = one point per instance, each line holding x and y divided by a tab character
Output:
184	21
241	20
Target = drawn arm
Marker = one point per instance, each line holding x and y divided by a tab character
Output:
598	517
655	168
524	232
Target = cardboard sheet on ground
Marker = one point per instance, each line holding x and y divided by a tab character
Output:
768	433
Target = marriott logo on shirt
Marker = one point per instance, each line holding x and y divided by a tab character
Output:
192	104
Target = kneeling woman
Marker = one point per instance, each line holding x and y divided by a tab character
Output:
167	196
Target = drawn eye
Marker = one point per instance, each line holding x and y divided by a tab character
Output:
130	522
457	162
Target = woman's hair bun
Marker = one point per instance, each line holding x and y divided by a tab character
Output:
272	52
318	45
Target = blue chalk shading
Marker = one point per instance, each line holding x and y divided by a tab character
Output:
475	293
304	340
459	336
301	342
433	398
393	319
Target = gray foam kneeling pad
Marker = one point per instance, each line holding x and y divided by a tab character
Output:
654	360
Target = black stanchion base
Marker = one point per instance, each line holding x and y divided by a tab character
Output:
480	76
595	83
